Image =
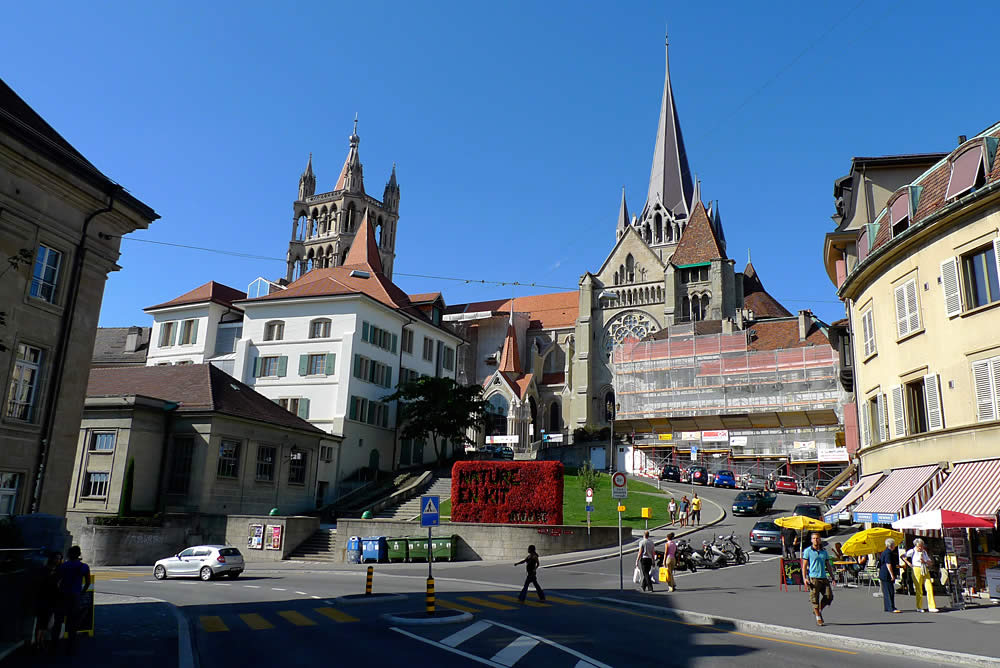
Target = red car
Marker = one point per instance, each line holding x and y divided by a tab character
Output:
787	484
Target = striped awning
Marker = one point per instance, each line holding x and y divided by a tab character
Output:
860	489
972	488
900	494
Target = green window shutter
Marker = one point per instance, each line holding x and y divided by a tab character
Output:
388	376
331	363
194	331
282	366
303	365
357	366
364	331
304	409
173	334
256	367
395	340
354	408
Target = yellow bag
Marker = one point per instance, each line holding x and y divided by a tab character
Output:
663	575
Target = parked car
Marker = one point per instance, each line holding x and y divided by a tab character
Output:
699	476
505	452
749	481
201	561
787	484
685	475
813	510
725	478
670	472
765	535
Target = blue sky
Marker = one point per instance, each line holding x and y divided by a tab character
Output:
514	125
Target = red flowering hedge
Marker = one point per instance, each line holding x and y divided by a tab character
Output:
507	492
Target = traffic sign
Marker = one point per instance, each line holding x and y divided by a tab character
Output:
621	509
430	511
590	508
619	486
590	494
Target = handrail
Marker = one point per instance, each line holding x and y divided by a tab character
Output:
403	494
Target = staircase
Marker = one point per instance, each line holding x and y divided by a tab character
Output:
409	511
318	547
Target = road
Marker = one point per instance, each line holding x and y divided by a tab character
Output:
295	616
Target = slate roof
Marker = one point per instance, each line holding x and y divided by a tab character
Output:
209	292
196	388
109	346
757	299
556	310
698	241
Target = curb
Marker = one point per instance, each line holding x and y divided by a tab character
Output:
362	599
186	657
428	621
877	646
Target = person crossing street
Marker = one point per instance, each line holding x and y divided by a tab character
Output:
531	565
816	568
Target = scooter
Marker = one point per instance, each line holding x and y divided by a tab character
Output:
684	557
734	551
713	556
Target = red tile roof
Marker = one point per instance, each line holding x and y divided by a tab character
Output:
757	299
195	387
364	253
778	334
698	241
510	357
424	297
209	292
556	310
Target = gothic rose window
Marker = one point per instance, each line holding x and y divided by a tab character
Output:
632	325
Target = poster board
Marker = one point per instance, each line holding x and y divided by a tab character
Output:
255	537
790	573
273	537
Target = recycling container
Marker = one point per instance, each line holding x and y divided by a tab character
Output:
354	550
374	548
444	548
398	549
417	548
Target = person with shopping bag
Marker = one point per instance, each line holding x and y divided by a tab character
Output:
644	560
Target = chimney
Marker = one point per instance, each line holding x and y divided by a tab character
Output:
961	139
805	320
132	339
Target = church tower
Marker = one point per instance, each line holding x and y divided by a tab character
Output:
325	224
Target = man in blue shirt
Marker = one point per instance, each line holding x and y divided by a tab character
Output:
816	569
74	579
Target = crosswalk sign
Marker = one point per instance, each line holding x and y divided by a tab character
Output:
430	511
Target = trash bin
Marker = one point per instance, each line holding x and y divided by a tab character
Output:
398	549
374	548
354	550
444	548
417	548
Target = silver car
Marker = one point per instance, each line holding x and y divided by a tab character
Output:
202	561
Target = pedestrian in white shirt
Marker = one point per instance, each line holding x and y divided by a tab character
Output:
921	564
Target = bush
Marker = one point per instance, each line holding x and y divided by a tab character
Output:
507	492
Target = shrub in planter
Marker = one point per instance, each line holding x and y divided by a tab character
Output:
507	492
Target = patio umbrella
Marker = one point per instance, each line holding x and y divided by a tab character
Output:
869	541
943	519
802	523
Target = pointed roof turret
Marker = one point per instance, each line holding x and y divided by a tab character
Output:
670	176
510	357
623	219
364	251
392	178
698	241
757	299
351	175
307	182
716	218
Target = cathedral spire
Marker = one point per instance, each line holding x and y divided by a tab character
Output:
307	182
670	176
510	356
390	196
623	219
351	175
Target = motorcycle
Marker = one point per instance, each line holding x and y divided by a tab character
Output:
684	557
731	546
712	556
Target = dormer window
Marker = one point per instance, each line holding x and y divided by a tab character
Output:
969	167
274	330
902	208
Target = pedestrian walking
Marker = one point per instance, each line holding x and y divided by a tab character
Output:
887	569
531	565
920	563
644	559
684	510
47	601
790	543
816	568
74	579
695	510
672	510
670	560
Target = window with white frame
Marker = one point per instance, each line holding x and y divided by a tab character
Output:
102	441
270	366
297	405
868	332
874	420
9	483
319	329
266	456
916	406
297	467
971	280
45	275
986	380
967	171
22	395
407	343
379	337
907	308
274	330
316	365
373	372
189	332
96	484
229	459
226	337
168	334
428	349
326	453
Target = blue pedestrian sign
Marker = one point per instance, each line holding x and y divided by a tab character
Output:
430	511
590	509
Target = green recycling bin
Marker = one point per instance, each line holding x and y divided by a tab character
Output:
398	549
417	548
444	548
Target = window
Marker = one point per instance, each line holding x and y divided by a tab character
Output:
966	171
372	371
369	411
226	338
408	341
449	359
45	274
8	492
979	274
299	406
694	275
102	442
916	406
179	480
899	212
428	349
271	366
379	337
868	332
874	423
297	468
317	365
326	453
266	456
274	331
189	332
183	362
229	459
986	379
23	391
168	333
907	309
96	484
319	329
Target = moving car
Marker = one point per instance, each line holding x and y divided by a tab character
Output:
753	502
699	476
670	472
725	478
787	484
201	561
505	452
765	535
813	510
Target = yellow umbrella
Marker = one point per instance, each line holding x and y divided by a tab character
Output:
870	541
802	523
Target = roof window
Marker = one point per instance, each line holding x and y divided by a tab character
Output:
357	273
902	208
970	165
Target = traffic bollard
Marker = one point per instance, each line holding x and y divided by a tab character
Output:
430	596
368	582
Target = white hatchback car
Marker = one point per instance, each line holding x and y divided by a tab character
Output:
202	561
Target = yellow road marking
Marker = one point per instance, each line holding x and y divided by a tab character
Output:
564	601
336	615
296	618
212	624
114	575
513	599
256	622
455	606
714	628
486	604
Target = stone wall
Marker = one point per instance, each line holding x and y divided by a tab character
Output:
294	531
489	542
141	546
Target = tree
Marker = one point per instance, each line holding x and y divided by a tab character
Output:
589	477
439	409
125	504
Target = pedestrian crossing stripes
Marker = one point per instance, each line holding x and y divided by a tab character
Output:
483	603
256	621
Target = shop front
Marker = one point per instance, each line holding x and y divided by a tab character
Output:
902	493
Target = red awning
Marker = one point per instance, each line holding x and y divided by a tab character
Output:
859	490
972	488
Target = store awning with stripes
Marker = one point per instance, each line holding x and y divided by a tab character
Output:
902	492
863	487
972	488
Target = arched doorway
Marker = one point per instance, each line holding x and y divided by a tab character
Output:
373	460
497	409
555	417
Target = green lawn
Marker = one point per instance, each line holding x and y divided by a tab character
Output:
605	508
